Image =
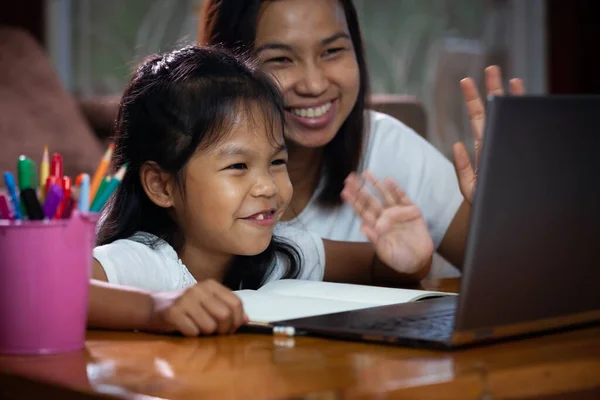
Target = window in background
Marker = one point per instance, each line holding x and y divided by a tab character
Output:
415	47
424	48
110	37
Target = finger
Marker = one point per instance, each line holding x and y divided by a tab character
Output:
516	87
184	324
367	206
232	301
348	195
351	177
196	312
382	189
393	216
370	233
474	105
351	188
493	81
356	195
400	197
464	170
218	311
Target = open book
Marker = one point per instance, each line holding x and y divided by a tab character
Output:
289	299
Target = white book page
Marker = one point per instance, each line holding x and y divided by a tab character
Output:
370	295
269	307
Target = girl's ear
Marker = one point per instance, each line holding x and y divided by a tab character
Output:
158	185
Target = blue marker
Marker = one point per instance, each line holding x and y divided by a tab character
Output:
84	194
9	180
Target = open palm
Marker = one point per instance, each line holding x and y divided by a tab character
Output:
467	176
393	224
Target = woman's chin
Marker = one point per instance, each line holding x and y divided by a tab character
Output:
311	138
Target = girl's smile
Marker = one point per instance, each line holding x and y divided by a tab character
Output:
265	218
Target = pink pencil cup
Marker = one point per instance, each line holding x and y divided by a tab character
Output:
44	283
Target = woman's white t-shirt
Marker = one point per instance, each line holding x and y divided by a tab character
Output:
132	262
393	150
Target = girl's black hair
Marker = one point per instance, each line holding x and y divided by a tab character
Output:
232	23
175	104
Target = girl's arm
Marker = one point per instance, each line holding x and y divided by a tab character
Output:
119	307
205	308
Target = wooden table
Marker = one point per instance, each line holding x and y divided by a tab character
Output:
143	366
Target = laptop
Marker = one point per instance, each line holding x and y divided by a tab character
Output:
531	262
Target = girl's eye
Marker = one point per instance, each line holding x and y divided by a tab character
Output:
279	161
238	166
278	60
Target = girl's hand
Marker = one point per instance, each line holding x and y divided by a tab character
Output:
467	176
394	225
205	308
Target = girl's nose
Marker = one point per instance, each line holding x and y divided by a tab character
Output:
265	187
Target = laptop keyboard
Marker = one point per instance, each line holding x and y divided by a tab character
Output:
437	325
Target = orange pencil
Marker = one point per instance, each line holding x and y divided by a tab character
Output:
101	171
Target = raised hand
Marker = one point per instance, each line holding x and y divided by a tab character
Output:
394	225
467	176
205	308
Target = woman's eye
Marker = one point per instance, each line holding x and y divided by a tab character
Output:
333	51
238	166
279	161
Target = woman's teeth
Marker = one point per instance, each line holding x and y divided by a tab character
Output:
311	112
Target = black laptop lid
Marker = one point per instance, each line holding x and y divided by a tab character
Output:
532	251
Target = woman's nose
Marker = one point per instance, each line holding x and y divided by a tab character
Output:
313	82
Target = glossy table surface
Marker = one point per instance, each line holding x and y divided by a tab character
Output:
240	366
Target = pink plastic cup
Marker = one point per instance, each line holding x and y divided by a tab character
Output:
44	283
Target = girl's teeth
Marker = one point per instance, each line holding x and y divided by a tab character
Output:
312	112
260	217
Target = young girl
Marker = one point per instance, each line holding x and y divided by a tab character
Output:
202	134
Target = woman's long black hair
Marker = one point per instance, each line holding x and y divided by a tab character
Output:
175	104
232	23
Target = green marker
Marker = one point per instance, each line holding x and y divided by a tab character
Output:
27	173
27	178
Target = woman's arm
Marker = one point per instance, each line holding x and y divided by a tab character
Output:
356	262
453	245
